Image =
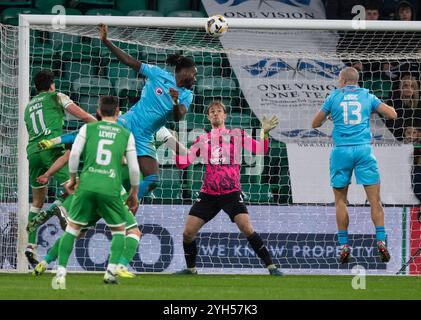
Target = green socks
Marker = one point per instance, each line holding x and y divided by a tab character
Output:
117	247
32	236
67	242
52	253
130	249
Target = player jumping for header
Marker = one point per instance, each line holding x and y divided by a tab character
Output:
350	108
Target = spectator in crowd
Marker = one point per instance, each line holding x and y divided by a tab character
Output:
373	78
372	10
407	106
406	11
413	135
341	10
389	9
401	68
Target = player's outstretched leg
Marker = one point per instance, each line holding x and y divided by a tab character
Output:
117	247
243	222
131	242
342	220
51	256
377	215
190	254
55	209
192	227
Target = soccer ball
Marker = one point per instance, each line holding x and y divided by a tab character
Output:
216	26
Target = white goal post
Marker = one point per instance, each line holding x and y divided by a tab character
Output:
51	22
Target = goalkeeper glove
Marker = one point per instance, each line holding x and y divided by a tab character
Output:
268	125
45	144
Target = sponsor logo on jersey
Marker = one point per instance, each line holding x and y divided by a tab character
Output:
159	91
111	172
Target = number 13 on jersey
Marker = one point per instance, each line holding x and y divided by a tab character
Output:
351	112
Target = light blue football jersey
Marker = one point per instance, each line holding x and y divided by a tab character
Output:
350	108
155	106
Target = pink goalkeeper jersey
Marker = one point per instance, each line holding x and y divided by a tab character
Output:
221	150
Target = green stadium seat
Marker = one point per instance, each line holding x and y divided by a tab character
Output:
117	70
193	181
97	3
78	51
11	15
46	6
257	193
15	3
145	13
92	86
186	13
217	88
210	58
156	55
129	87
41	52
103	12
73	12
75	69
197	121
169	191
240	120
276	172
167	6
126	6
203	10
88	103
132	49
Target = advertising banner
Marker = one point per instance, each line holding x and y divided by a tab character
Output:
301	240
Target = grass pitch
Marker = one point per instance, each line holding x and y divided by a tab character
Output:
209	287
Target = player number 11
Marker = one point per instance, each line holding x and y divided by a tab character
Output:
355	108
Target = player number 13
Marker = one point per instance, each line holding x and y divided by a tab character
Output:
355	108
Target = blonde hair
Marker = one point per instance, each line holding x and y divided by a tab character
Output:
216	102
413	102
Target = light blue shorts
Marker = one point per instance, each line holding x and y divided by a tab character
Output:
359	158
145	145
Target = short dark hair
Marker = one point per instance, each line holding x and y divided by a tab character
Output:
180	62
43	80
373	5
216	102
108	106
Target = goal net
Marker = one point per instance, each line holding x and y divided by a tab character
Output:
254	72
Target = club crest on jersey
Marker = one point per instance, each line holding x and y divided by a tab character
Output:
159	91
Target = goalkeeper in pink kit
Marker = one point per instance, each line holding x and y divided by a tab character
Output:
221	150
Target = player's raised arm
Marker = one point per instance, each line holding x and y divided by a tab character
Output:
387	111
179	110
261	146
74	109
318	119
120	54
134	174
182	161
74	158
57	165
